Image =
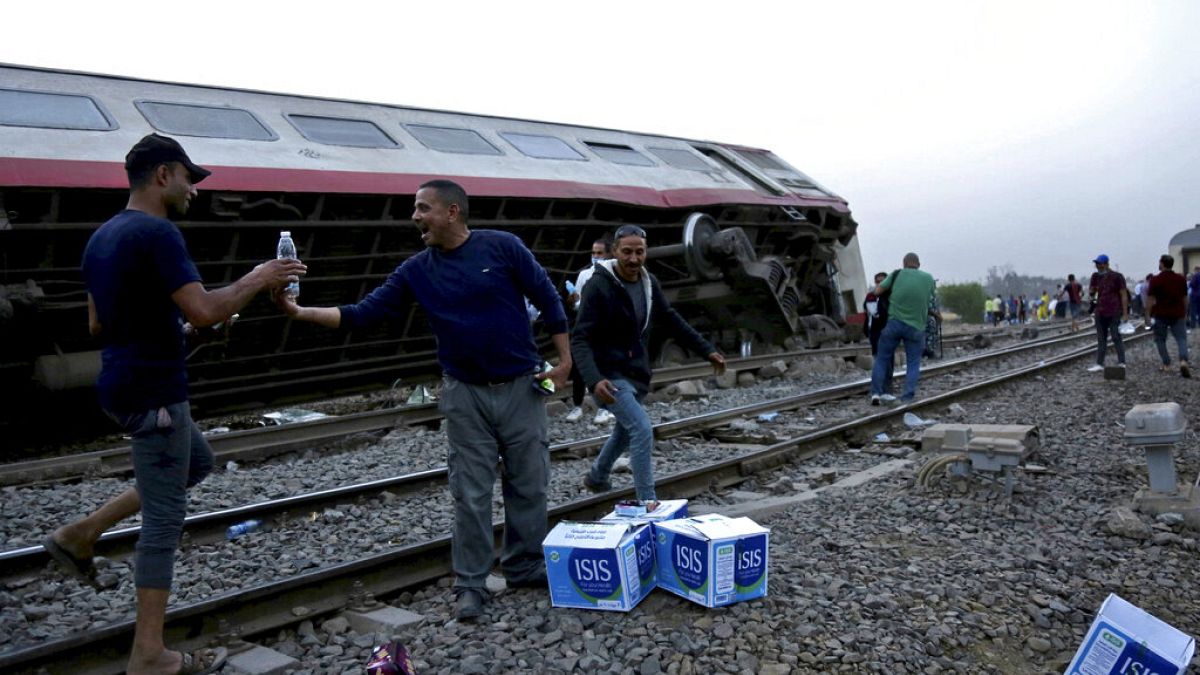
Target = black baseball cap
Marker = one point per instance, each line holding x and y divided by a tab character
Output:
154	149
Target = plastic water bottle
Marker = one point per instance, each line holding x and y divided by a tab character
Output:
287	249
245	527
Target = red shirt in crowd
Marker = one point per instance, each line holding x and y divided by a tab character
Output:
1108	288
1169	290
1073	291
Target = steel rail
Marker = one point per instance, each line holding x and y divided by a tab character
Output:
257	444
269	607
210	526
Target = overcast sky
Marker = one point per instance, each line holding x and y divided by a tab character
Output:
1036	134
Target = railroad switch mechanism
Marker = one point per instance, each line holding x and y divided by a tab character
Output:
1156	428
963	453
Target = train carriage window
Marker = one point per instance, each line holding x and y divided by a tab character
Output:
48	110
186	119
682	159
762	160
452	139
341	131
542	147
619	154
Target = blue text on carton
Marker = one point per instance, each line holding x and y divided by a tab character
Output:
599	565
712	560
1125	639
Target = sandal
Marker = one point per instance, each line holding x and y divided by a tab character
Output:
203	661
83	570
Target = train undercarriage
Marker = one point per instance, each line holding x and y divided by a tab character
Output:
745	275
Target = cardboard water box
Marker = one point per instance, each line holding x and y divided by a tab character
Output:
711	559
600	565
1126	639
664	509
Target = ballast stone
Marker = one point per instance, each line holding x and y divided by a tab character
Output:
383	620
260	660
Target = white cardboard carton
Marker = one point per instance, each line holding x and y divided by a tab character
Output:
1125	639
711	559
599	565
667	509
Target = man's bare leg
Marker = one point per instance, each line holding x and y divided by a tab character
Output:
150	656
79	537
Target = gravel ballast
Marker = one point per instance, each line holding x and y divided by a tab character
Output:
885	577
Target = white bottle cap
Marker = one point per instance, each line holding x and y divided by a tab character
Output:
285	233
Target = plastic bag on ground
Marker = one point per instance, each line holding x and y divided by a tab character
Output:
914	422
293	416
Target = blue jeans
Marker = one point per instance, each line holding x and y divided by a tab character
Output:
484	422
170	455
1178	329
914	345
633	432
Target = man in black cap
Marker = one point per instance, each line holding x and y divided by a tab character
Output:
141	285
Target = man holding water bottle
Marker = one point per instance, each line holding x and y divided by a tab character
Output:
472	285
142	285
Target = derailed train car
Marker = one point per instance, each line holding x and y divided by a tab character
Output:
752	251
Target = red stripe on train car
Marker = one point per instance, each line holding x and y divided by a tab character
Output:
27	172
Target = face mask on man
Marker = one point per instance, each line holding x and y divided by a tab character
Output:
597	260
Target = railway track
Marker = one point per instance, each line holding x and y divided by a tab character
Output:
210	527
269	606
266	442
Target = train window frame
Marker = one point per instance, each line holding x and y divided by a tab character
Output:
112	123
141	104
764	160
592	145
579	156
409	126
396	145
703	164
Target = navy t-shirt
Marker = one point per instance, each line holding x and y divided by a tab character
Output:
131	266
474	296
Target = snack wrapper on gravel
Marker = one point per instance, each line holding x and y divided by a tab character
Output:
390	659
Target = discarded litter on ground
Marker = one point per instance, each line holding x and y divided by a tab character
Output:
1124	638
914	422
421	395
293	416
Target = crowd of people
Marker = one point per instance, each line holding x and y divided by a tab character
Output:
1168	302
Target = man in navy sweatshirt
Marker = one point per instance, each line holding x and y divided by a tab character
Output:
473	285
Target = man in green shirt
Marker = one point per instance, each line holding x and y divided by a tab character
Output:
910	291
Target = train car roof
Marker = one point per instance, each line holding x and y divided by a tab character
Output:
493	155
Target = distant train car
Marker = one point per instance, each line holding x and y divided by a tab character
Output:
1185	248
752	251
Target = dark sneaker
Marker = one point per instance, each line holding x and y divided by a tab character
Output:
536	581
1185	370
594	485
469	604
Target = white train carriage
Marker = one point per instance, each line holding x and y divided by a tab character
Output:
749	249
